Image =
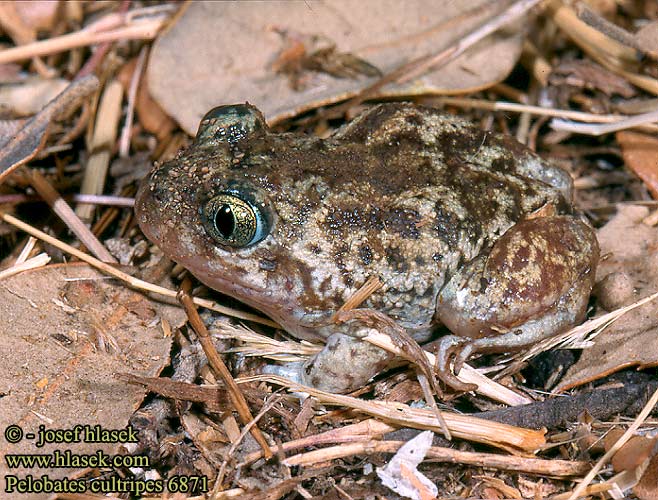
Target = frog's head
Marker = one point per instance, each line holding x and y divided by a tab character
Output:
227	210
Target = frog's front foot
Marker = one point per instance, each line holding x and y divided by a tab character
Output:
457	350
345	364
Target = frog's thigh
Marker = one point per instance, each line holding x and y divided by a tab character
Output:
534	283
344	364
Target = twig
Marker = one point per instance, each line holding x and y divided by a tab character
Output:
39	261
608	52
66	213
509	15
468	374
554	468
513	439
124	142
108	29
27	249
578	490
92	199
128	279
606	27
100	146
217	364
589	129
535	110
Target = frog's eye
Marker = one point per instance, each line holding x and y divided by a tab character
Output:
233	221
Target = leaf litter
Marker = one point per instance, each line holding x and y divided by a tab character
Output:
590	64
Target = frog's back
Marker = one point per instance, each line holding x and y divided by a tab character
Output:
407	193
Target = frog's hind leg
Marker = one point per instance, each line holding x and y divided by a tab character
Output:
534	283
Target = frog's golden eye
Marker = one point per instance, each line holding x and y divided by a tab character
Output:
233	221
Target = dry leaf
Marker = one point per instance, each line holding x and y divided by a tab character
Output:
639	456
59	350
631	248
647	487
647	38
226	52
30	96
401	474
640	152
18	149
39	15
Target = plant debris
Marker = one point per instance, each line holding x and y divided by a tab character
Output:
91	324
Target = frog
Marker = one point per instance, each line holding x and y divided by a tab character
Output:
469	231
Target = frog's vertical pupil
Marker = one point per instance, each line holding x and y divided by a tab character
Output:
224	221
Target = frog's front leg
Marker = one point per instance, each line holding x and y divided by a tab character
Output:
345	364
535	283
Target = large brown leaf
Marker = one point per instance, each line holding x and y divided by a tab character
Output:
224	52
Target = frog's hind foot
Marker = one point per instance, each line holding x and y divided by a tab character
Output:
457	350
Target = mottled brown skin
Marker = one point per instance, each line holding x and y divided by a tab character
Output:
436	207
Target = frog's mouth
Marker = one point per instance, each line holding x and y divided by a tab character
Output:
288	314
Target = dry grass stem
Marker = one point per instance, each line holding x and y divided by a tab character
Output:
512	13
553	468
255	344
102	141
124	142
607	52
591	129
135	25
217	364
373	284
92	199
365	430
39	261
128	279
540	111
27	249
513	439
68	216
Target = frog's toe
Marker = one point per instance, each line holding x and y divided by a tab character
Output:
458	349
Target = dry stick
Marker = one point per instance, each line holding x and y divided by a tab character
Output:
609	29
124	142
216	362
600	129
66	213
92	199
468	374
27	249
615	448
101	144
534	110
604	50
127	278
39	261
554	468
141	29
514	439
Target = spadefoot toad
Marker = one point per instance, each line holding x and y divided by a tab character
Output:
447	215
